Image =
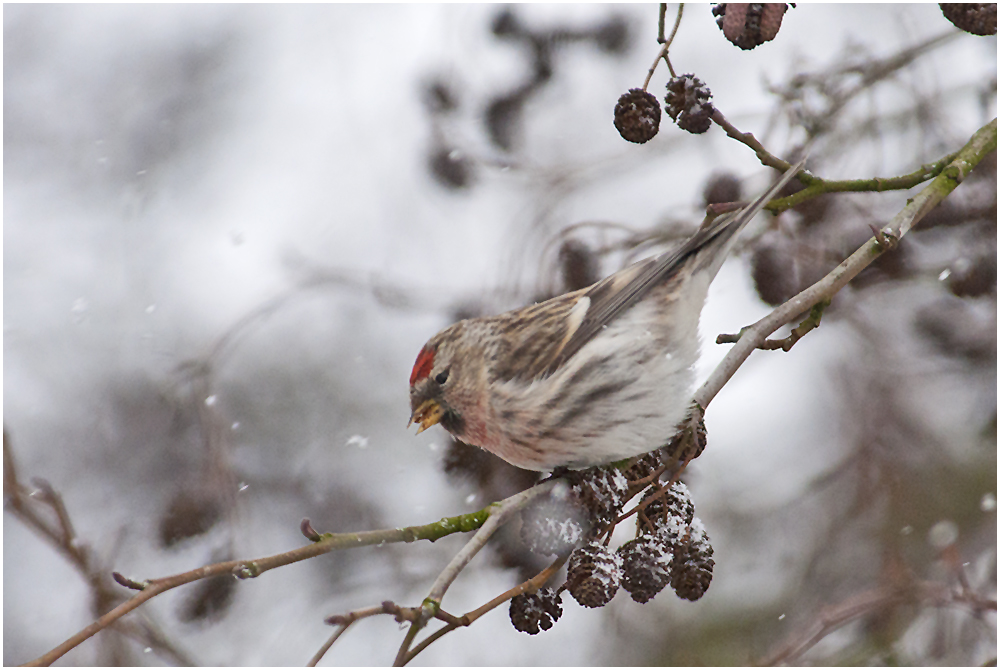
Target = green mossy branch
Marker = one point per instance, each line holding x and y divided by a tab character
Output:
816	186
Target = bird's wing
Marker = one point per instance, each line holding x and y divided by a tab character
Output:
614	294
532	337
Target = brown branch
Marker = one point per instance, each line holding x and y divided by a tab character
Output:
401	614
662	53
343	622
663	490
318	656
765	156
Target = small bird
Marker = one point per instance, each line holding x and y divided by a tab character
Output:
586	378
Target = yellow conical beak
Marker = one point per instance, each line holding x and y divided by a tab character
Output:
428	414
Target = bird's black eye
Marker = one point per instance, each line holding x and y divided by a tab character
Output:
442	377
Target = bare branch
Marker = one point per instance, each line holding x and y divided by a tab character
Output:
343	622
765	156
811	322
871	71
662	54
62	535
318	656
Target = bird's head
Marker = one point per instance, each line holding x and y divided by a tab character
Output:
445	387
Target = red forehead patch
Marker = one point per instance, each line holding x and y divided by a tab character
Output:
422	368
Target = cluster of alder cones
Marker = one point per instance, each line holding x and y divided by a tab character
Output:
671	546
688	100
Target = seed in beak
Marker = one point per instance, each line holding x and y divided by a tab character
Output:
428	414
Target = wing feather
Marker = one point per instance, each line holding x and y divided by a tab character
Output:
614	294
532	337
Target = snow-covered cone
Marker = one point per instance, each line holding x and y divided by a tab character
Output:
674	504
601	491
645	566
689	103
531	612
692	564
593	575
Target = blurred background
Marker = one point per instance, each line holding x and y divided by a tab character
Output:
228	230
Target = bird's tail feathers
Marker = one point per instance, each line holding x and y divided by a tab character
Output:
721	233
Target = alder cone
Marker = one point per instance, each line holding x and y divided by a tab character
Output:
646	563
189	514
578	264
749	25
593	575
672	507
532	612
637	116
689	103
601	491
721	188
978	18
692	564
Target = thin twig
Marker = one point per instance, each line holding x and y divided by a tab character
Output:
666	44
318	656
765	156
808	324
343	622
663	490
872	71
677	23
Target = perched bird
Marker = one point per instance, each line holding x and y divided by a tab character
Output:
588	377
